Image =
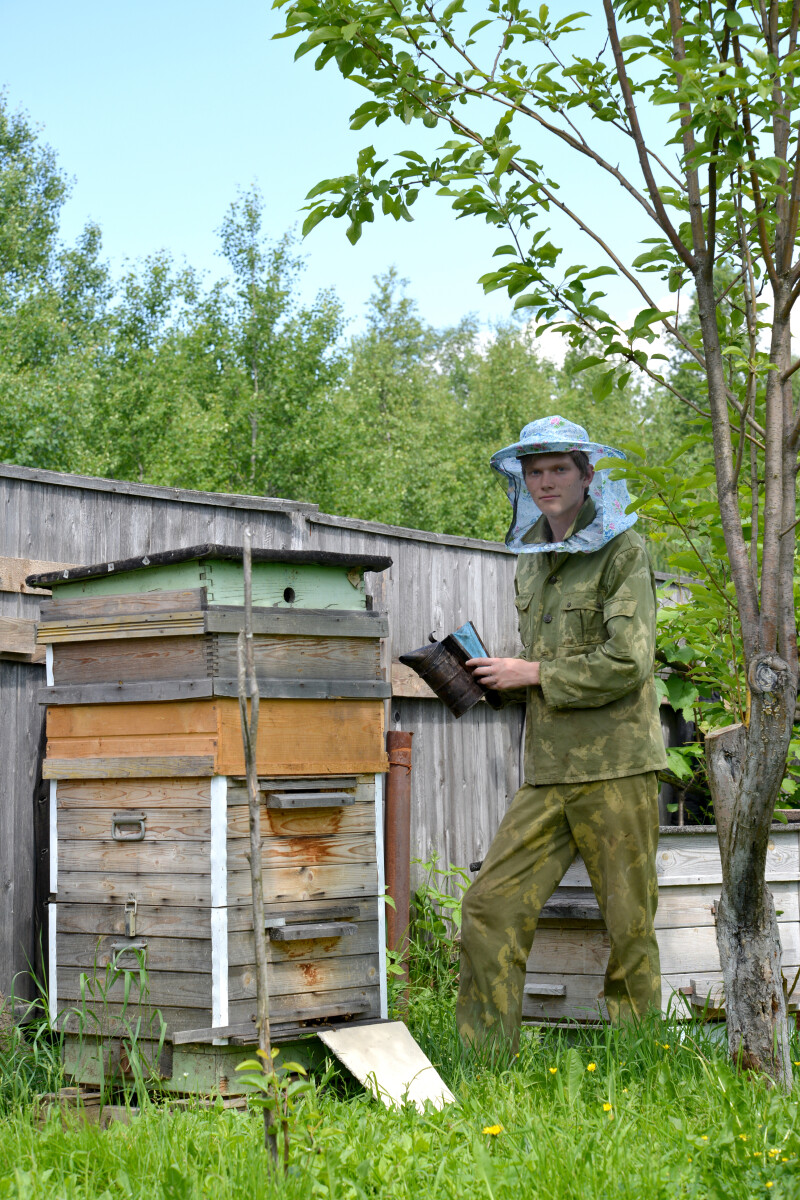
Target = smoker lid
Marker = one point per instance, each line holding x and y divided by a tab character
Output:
322	558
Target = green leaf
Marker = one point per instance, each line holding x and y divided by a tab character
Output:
602	386
647	317
677	764
591	360
598	271
504	157
326	33
634	42
771	167
682	693
574	1074
313	219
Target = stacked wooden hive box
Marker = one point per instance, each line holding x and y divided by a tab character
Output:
564	979
150	915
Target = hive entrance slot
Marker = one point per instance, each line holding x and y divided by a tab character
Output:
309	799
311	931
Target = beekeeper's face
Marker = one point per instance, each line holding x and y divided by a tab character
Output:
556	483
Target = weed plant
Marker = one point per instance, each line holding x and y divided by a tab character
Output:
30	1064
649	1112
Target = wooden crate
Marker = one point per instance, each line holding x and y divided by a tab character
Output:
281	578
564	977
175	851
181	1070
203	737
173	645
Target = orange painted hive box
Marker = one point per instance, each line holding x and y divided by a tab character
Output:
204	737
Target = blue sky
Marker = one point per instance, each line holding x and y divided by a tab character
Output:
159	111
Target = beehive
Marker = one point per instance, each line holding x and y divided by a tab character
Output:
150	908
564	977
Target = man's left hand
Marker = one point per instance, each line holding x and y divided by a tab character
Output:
502	674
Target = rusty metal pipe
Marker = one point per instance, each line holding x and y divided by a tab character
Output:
397	854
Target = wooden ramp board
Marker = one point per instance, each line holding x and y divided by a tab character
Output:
387	1060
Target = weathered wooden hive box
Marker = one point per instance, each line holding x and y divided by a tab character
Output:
564	979
150	915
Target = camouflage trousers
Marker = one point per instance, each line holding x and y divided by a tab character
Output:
613	823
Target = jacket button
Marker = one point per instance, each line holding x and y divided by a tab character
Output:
569	604
547	618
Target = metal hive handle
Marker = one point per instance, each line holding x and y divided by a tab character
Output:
120	820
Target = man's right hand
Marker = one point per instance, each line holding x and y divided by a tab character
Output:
502	674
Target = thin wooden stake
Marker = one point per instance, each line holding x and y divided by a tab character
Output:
248	690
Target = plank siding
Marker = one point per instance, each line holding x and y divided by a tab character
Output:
143	659
115	1019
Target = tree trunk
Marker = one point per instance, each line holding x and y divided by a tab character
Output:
746	763
745	769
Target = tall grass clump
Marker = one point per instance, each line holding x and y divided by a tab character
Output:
427	1004
30	1061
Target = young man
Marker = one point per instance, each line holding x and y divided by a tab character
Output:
585	595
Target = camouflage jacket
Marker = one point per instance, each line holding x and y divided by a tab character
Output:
589	619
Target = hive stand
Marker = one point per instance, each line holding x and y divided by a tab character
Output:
151	946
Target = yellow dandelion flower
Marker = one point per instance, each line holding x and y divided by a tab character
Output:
493	1130
784	1160
689	1157
592	1067
624	1089
554	1070
773	1153
742	1137
768	1183
797	1064
704	1137
606	1107
666	1045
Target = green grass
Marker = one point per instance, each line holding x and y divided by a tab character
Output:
647	1113
680	1123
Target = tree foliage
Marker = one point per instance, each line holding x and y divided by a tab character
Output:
686	112
239	385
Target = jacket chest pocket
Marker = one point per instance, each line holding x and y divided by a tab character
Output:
582	620
525	610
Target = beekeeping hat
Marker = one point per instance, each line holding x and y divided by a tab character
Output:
555	435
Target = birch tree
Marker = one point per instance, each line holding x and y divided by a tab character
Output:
685	114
